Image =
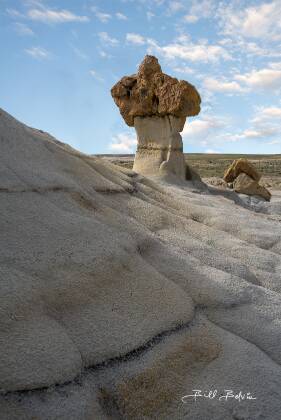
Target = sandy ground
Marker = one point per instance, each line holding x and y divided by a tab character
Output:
120	295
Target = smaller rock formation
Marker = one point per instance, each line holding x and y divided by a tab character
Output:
244	179
244	184
157	106
241	166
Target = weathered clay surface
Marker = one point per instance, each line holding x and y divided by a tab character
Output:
151	92
241	166
246	185
119	295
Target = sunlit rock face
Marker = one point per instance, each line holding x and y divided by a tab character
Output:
238	167
245	179
244	184
157	106
160	148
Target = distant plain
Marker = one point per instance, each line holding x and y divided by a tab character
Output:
214	165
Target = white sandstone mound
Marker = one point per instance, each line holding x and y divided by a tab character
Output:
119	295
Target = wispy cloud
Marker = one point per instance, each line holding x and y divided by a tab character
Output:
200	10
23	29
191	18
96	76
256	21
212	151
274	142
149	15
79	53
175	6
258	133
266	78
270	112
14	13
202	127
107	40
101	16
123	143
182	48
121	16
183	70
222	86
38	53
55	16
136	39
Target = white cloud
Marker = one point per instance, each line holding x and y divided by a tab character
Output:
191	18
271	112
262	132
258	21
123	143
266	78
149	15
23	30
203	8
121	16
108	40
200	10
186	50
95	75
273	142
79	53
222	86
136	39
14	13
104	54
267	116
175	6
212	151
201	127
184	70
55	16
275	65
182	48
103	17
38	53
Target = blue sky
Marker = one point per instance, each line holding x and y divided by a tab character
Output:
59	59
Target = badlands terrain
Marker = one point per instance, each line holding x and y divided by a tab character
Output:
120	294
211	167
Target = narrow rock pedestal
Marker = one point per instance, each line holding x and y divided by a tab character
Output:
160	148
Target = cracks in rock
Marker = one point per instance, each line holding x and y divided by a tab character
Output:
107	363
57	188
39	190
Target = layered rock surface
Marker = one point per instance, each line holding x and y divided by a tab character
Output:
120	295
157	106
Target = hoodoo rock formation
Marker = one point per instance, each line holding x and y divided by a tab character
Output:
157	105
245	179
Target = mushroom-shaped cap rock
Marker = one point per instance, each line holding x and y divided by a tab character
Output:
151	92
